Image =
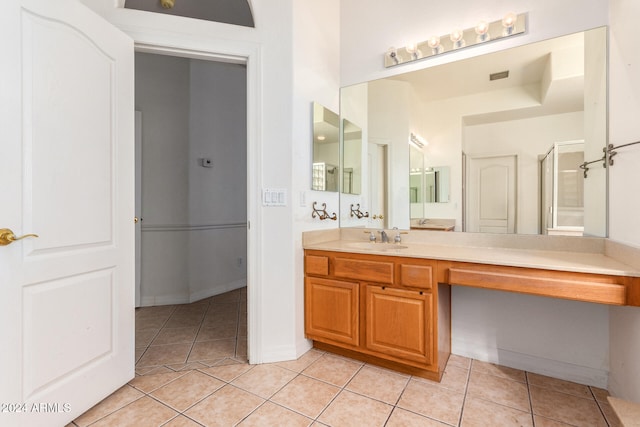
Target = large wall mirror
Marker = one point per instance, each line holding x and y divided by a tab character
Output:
501	140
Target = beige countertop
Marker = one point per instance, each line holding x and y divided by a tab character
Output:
584	255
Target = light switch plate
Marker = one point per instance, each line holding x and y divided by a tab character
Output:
274	197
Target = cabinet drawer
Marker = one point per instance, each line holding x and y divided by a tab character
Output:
416	276
314	264
375	271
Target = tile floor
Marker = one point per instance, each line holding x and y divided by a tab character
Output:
192	370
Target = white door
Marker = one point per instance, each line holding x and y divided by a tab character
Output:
66	138
491	193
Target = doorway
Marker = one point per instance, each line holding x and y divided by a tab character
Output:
193	179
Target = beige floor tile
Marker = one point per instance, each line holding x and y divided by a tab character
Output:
499	390
241	348
225	407
155	311
380	384
432	401
455	378
610	415
184	319
206	350
600	394
270	414
187	390
152	370
139	352
226	298
119	399
218	331
148	383
169	354
333	369
303	361
401	418
498	371
306	396
546	422
459	361
145	336
480	413
181	421
562	386
228	372
187	366
565	407
351	410
152	322
143	412
264	380
176	335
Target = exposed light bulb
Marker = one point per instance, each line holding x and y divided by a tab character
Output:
412	49
482	30
457	39
321	138
509	22
434	44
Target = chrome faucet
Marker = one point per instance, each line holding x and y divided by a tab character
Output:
383	236
397	238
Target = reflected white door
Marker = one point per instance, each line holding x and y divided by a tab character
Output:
491	194
66	132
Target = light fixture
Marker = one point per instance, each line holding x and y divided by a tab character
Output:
509	22
167	4
412	49
510	25
482	30
392	54
434	44
417	141
321	138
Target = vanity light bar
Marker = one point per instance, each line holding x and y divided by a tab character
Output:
508	26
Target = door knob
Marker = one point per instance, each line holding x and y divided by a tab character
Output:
7	237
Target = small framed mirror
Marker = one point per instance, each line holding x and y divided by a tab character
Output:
325	170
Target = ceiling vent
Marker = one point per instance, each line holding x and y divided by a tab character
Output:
498	76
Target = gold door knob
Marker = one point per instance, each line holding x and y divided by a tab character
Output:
7	237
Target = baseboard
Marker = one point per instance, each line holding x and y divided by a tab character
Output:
280	353
197	296
218	289
538	365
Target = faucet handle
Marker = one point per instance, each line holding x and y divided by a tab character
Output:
372	236
397	238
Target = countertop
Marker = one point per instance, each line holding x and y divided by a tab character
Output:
587	259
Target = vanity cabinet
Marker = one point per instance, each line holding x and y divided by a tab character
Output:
384	310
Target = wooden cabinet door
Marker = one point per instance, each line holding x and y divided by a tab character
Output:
332	310
398	323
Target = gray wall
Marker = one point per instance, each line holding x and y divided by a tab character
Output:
194	232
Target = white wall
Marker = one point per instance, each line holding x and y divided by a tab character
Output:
368	29
194	232
624	176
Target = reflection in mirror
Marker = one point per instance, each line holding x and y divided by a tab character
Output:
416	182
352	158
326	149
492	134
436	184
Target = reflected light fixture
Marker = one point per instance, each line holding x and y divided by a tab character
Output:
510	25
417	141
167	4
321	138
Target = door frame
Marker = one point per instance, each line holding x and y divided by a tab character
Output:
248	54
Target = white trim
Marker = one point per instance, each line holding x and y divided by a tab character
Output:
192	227
218	49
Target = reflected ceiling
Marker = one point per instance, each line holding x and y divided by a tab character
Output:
236	12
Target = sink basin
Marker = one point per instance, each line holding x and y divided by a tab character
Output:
375	246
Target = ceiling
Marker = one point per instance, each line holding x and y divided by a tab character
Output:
236	12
